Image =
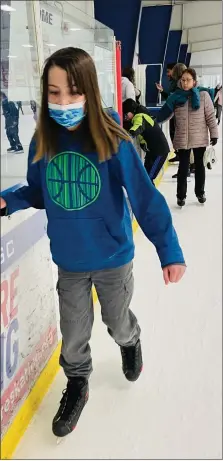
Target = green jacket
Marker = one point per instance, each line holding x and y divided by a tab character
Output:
149	134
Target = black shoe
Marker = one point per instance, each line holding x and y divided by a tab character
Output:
174	159
188	176
132	361
11	149
180	202
72	404
201	198
19	150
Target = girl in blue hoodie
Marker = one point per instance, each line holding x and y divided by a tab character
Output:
80	161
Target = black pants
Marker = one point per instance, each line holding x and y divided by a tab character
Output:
184	161
12	133
218	112
172	132
153	164
172	128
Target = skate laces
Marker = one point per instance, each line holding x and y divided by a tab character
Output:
130	356
71	396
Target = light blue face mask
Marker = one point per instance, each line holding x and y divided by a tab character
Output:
69	115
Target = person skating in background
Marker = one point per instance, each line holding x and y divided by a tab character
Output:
194	114
216	89
218	103
128	75
176	76
165	94
34	109
11	114
174	72
150	135
80	162
19	104
169	70
177	71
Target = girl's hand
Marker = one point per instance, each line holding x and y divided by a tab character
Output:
173	273
2	203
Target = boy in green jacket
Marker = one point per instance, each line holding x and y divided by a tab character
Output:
151	137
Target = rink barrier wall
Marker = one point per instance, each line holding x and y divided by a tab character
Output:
44	381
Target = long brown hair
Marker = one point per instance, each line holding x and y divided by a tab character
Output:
178	70
129	73
103	133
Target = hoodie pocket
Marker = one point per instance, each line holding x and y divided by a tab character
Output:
80	240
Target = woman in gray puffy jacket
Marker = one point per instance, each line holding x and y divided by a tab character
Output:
194	121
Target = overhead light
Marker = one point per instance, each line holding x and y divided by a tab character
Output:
50	44
28	46
7	8
10	56
74	29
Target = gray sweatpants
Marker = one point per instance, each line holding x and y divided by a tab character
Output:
115	289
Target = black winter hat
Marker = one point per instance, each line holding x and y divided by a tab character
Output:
129	106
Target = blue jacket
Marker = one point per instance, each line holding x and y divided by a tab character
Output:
89	223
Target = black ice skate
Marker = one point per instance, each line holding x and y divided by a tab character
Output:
72	404
174	159
180	202
201	199
132	361
188	176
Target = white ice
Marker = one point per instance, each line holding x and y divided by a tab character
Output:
174	410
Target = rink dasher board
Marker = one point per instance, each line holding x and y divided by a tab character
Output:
28	312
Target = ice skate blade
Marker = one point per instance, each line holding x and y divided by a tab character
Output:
180	207
60	440
202	203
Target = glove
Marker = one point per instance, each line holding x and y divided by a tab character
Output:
214	141
144	147
209	167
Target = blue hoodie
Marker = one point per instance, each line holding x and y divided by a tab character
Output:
89	223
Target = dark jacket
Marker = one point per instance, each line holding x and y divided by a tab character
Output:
171	89
149	133
10	112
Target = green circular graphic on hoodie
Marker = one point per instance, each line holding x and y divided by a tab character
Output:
73	181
